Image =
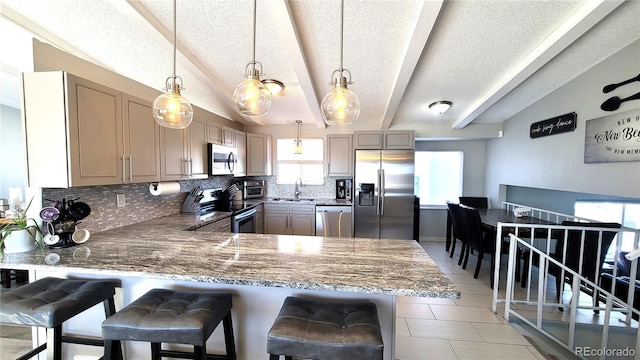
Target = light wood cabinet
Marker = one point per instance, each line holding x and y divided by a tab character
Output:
74	131
141	141
184	152
219	134
228	136
258	155
339	155
388	139
214	132
240	143
290	219
197	146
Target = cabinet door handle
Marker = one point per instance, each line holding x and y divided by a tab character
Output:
123	170
190	164
131	168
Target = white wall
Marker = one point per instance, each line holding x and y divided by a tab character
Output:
12	157
557	162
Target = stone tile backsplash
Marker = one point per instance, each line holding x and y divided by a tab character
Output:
142	206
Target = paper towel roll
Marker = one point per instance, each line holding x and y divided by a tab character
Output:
164	188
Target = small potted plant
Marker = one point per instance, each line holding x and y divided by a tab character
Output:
19	233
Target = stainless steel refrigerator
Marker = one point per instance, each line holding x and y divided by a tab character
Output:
383	203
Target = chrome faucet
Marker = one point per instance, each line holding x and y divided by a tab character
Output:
297	190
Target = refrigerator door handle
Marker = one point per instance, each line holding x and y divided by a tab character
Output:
379	193
383	191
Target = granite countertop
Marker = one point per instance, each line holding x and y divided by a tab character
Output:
161	249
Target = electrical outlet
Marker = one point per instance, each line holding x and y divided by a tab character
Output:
121	200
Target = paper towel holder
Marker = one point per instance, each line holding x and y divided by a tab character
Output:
155	186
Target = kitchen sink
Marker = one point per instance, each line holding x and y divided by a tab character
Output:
295	200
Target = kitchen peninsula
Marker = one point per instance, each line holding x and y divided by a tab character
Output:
261	270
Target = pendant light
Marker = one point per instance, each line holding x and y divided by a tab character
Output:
297	143
340	106
171	109
252	97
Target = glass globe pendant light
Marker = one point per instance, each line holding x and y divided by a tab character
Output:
171	109
340	106
252	97
297	143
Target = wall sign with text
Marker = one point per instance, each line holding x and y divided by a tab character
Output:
613	138
555	125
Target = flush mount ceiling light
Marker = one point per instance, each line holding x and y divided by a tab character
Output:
340	106
297	143
440	107
252	97
171	109
274	86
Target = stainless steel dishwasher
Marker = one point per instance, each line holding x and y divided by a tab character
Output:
334	220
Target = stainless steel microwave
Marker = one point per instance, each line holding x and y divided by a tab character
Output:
222	160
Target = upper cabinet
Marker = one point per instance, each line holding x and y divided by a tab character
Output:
73	131
220	134
258	155
80	133
184	151
388	139
240	143
141	141
339	155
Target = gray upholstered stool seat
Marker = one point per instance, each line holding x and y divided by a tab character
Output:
167	316
49	302
323	330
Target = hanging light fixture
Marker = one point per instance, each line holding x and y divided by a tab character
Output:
252	97
340	106
274	86
171	109
297	143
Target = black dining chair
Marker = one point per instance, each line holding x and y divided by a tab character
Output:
591	263
477	238
478	202
458	233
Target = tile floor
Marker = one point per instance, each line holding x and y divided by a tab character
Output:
457	329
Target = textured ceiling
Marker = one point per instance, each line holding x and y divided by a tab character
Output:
490	58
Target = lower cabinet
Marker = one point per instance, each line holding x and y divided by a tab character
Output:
222	225
260	219
290	219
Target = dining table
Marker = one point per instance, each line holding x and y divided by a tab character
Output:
490	219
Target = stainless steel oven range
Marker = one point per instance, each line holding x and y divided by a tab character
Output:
244	221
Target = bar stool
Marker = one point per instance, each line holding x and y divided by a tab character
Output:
179	317
324	330
49	302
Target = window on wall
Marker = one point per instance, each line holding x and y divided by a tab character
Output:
307	166
438	176
627	214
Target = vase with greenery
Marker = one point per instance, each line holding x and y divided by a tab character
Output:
20	229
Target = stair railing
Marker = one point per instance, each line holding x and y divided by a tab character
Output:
612	303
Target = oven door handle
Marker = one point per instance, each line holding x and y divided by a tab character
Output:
245	214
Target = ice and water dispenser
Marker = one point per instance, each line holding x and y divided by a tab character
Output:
366	194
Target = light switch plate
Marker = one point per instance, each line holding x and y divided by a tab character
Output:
121	200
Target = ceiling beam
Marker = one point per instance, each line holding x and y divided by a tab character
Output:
138	13
579	23
283	19
425	22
